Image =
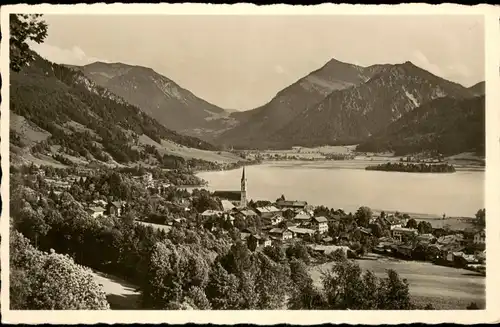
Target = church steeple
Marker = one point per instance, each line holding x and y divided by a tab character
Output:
243	201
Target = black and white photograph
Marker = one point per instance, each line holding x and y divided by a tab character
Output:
258	161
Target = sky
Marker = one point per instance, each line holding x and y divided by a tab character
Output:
241	62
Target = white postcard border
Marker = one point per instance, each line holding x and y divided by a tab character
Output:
492	183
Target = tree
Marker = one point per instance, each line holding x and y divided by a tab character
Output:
481	217
271	283
42	281
304	294
376	230
222	289
24	28
173	271
363	216
424	227
299	251
346	288
276	253
412	223
394	293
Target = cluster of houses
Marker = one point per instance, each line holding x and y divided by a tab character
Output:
274	225
287	220
446	250
147	180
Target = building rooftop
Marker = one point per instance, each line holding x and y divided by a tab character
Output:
291	203
211	212
302	216
405	230
96	209
320	219
248	212
227	205
268	209
299	230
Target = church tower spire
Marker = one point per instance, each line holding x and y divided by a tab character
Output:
243	201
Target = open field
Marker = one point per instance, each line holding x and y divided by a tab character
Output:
443	287
167	147
30	133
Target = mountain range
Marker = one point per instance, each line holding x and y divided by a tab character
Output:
360	102
55	109
159	97
446	125
339	103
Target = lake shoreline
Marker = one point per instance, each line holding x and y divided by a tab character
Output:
353	165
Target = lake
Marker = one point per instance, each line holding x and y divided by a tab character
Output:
347	185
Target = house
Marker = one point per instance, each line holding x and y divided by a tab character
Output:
285	204
211	213
268	211
244	235
146	179
461	259
96	211
365	231
179	221
426	238
228	218
246	213
281	234
390	221
327	240
399	233
255	241
302	217
481	256
227	205
100	203
320	224
480	237
301	232
162	188
273	220
115	208
456	239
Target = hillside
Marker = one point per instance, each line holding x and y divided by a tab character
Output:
478	89
447	125
351	115
59	113
161	98
256	125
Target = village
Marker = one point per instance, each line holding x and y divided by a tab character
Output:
284	222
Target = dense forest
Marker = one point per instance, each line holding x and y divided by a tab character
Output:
446	125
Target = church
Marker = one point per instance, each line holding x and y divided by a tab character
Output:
238	198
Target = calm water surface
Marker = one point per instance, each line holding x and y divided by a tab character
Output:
348	186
